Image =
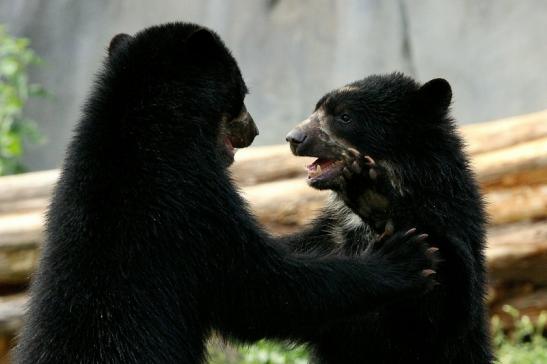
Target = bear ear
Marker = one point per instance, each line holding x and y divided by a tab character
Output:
436	94
119	42
202	41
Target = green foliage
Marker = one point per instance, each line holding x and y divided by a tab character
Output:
15	90
523	345
263	352
266	352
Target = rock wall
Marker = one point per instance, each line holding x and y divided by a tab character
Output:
292	51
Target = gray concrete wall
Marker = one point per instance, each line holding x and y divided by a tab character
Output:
494	52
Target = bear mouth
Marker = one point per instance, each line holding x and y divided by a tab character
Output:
229	149
323	169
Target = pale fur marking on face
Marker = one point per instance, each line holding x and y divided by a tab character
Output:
304	122
242	114
391	170
323	125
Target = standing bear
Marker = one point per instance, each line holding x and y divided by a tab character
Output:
149	247
388	148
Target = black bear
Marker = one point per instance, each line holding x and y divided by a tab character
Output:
389	150
149	247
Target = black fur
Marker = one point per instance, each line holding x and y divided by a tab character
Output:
425	177
149	247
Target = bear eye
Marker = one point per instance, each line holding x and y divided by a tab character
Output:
345	118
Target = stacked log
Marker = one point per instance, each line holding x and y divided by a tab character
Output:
509	157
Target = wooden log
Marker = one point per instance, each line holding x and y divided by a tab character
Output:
531	304
493	178
27	186
18	264
264	164
6	343
519	178
491	167
11	313
522	163
287	205
17	230
25	205
518	252
516	204
20	236
283	206
502	133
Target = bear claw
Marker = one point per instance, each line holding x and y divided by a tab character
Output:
369	160
422	237
428	272
431	251
354	152
410	231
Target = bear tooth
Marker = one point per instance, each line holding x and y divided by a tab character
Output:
318	169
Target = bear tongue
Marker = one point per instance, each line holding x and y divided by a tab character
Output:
320	162
229	146
319	166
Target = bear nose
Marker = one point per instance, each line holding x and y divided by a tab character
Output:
295	136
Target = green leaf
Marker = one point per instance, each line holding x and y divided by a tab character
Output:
13	145
8	67
16	130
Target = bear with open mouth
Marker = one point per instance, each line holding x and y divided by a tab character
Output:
150	248
388	149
